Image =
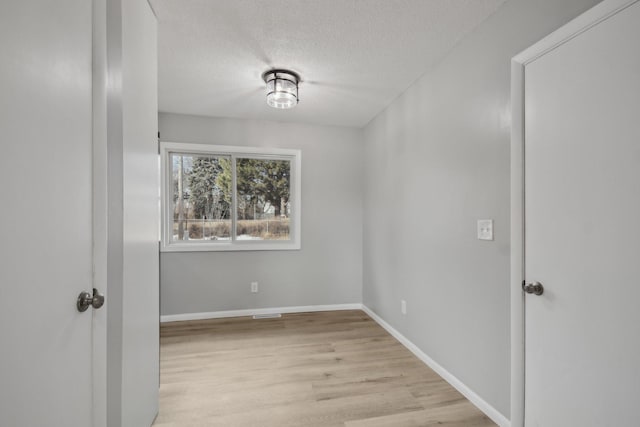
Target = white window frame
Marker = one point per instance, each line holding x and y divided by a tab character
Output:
294	156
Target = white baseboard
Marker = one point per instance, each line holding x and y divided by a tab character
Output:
485	407
257	311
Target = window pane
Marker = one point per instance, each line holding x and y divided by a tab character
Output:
264	208
201	197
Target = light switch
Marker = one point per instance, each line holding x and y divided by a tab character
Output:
485	229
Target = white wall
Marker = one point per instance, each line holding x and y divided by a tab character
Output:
126	183
328	268
437	160
140	329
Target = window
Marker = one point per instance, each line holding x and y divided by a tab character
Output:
220	198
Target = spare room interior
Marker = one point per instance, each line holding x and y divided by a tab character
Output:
341	213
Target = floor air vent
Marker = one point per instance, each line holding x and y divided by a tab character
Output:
267	316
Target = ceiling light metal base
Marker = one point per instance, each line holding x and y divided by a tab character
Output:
282	88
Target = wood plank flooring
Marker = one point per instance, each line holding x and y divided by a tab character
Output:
335	368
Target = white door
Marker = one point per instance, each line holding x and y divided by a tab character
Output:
45	212
582	229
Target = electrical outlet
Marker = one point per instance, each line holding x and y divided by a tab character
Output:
403	307
485	229
254	287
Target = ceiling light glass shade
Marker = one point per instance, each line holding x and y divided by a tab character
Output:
282	88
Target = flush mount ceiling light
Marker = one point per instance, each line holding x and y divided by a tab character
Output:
282	88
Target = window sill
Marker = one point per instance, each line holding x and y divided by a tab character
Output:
230	247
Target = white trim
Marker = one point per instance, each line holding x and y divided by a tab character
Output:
480	403
292	155
228	150
517	244
582	23
238	245
257	312
574	28
100	220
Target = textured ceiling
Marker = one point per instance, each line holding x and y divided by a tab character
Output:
354	56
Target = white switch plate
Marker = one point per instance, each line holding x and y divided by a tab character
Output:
485	229
403	306
254	287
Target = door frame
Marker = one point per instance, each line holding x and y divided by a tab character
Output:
582	23
100	83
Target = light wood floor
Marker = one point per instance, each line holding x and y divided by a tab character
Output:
335	368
